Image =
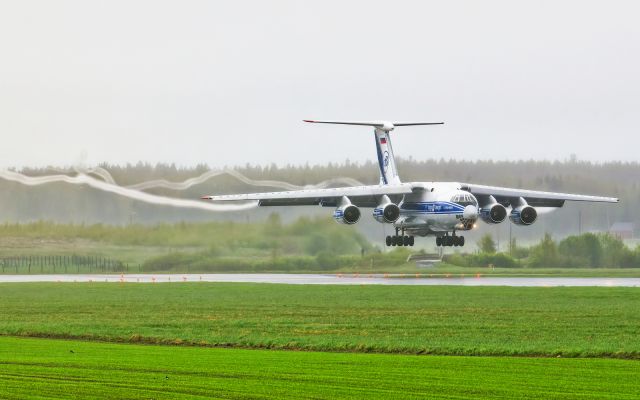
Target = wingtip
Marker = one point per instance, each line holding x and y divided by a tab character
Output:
205	197
308	120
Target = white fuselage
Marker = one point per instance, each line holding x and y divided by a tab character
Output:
439	209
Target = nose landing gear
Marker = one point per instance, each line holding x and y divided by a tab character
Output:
448	241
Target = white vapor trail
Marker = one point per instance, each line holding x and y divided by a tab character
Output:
80	169
186	184
101	172
163	183
108	184
84	179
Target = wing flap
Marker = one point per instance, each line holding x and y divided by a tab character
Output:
288	202
535	198
361	196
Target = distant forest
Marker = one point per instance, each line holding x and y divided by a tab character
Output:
62	202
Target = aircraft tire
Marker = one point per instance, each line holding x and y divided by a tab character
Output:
449	240
388	240
412	241
405	240
438	241
461	241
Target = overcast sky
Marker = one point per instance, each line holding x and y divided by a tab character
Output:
228	82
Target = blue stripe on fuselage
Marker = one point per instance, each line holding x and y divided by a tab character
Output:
432	207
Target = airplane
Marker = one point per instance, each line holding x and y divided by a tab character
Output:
440	209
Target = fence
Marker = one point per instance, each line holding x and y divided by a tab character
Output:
60	264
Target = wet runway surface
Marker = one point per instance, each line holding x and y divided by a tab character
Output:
320	279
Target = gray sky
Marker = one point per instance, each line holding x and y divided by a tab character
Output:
228	82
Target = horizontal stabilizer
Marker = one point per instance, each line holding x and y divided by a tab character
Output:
416	123
377	124
384	125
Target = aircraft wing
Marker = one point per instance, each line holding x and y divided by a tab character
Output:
361	196
534	198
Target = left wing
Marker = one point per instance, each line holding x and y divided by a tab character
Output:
507	196
361	196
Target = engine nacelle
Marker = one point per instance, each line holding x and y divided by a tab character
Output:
493	213
386	213
347	214
523	215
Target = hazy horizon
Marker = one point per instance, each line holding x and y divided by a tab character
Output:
240	165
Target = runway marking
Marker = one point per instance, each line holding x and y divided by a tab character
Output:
321	279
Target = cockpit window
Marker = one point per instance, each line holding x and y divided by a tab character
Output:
464	200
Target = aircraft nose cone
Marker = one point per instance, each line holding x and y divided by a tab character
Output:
470	213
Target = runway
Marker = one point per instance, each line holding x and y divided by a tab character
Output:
336	279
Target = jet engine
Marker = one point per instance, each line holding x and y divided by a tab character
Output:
346	213
523	215
386	211
493	213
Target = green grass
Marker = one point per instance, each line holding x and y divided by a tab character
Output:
572	322
303	236
134	257
39	239
43	368
36	247
306	245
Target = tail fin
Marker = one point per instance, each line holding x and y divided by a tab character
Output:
386	160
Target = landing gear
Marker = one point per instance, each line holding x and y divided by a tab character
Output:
400	239
448	241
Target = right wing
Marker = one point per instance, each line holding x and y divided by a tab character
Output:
361	196
535	198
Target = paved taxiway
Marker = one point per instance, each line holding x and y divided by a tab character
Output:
319	279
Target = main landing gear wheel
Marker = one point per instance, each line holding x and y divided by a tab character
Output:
448	241
398	240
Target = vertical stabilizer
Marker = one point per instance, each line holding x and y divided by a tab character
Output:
386	160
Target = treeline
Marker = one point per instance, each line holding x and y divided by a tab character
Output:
79	204
579	251
304	236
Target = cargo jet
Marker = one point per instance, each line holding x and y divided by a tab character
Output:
440	209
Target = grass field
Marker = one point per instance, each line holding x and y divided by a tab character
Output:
143	244
410	269
571	322
44	368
